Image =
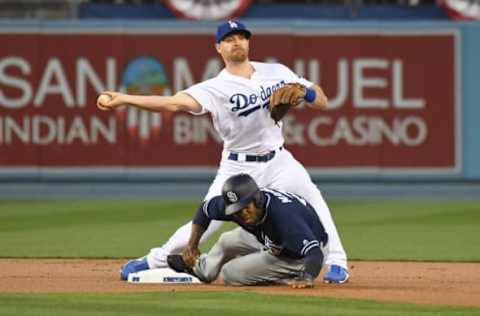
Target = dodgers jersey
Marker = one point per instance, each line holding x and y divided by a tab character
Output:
290	226
239	106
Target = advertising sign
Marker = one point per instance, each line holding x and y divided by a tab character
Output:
393	99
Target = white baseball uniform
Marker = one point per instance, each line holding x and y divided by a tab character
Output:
252	144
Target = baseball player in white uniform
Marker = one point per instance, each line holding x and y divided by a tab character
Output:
237	100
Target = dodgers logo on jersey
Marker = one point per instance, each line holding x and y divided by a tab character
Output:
254	101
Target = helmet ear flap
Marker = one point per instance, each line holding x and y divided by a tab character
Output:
259	199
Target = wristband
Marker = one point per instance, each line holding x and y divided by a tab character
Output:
310	95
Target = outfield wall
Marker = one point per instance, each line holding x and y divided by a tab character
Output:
403	99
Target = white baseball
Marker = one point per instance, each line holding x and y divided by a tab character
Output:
102	100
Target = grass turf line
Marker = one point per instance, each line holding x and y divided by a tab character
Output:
370	230
208	304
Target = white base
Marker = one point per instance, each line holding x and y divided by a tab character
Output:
163	276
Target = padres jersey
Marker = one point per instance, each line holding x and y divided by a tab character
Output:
290	227
239	106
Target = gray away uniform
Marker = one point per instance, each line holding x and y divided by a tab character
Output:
287	243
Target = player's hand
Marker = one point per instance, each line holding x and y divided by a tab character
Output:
190	255
110	100
301	283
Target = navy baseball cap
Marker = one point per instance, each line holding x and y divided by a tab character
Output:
229	27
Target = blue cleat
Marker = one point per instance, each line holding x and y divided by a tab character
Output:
336	274
133	266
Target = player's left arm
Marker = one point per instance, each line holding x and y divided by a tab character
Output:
314	96
321	100
301	240
313	265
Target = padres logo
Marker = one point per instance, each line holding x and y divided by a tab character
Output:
232	197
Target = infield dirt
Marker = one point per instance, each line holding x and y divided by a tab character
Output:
406	282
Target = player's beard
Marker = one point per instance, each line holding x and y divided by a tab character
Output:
239	56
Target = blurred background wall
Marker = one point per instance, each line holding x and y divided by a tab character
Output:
402	78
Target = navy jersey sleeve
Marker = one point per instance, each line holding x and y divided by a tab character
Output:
300	239
209	210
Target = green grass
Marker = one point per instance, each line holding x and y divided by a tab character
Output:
370	230
88	228
409	230
208	304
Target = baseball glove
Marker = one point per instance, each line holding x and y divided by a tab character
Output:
283	99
